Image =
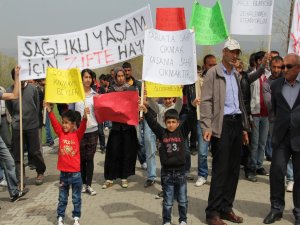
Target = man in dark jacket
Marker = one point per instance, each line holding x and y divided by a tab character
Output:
285	96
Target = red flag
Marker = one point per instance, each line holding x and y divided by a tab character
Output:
119	107
170	19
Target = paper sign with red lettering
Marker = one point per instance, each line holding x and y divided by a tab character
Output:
113	42
294	42
170	19
119	107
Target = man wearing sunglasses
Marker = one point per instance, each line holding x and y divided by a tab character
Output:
285	99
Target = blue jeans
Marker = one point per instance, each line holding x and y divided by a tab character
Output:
1	173
202	153
141	150
8	165
101	135
67	179
259	137
289	171
174	186
49	138
184	117
150	147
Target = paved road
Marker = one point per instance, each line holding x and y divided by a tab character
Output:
135	205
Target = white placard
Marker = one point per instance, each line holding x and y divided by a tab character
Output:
113	42
170	57
251	17
294	41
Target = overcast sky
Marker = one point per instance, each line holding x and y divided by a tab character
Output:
41	17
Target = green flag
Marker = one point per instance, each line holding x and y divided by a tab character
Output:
209	24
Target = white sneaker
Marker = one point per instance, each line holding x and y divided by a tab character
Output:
90	191
183	223
60	221
290	186
83	190
200	181
76	221
144	166
168	223
3	183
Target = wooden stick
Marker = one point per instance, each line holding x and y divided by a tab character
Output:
142	97
21	138
269	43
198	93
44	115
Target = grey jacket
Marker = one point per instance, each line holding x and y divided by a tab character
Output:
30	108
213	99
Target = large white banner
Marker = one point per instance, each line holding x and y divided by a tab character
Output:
251	17
170	57
100	46
294	41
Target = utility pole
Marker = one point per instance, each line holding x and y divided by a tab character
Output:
290	24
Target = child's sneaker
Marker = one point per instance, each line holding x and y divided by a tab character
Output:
76	221
3	183
83	190
60	221
183	223
200	182
159	195
90	191
168	223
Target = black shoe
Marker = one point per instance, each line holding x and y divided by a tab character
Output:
269	158
16	197
189	177
32	167
149	183
251	177
102	149
262	172
272	217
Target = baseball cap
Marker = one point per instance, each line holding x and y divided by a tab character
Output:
232	44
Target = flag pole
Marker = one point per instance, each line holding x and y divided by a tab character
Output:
269	43
21	138
290	24
142	97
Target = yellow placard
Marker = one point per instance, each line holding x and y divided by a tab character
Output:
64	86
155	90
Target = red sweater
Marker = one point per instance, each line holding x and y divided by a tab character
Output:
69	145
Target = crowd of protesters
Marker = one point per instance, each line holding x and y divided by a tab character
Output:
247	116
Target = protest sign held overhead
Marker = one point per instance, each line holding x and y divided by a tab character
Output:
170	57
100	46
64	86
119	107
158	90
167	19
209	24
294	41
170	19
251	17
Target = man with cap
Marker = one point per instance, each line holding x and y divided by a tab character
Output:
224	123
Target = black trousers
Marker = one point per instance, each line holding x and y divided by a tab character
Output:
226	152
280	158
31	138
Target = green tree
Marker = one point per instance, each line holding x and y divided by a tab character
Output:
6	65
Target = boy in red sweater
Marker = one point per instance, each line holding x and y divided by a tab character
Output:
69	160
